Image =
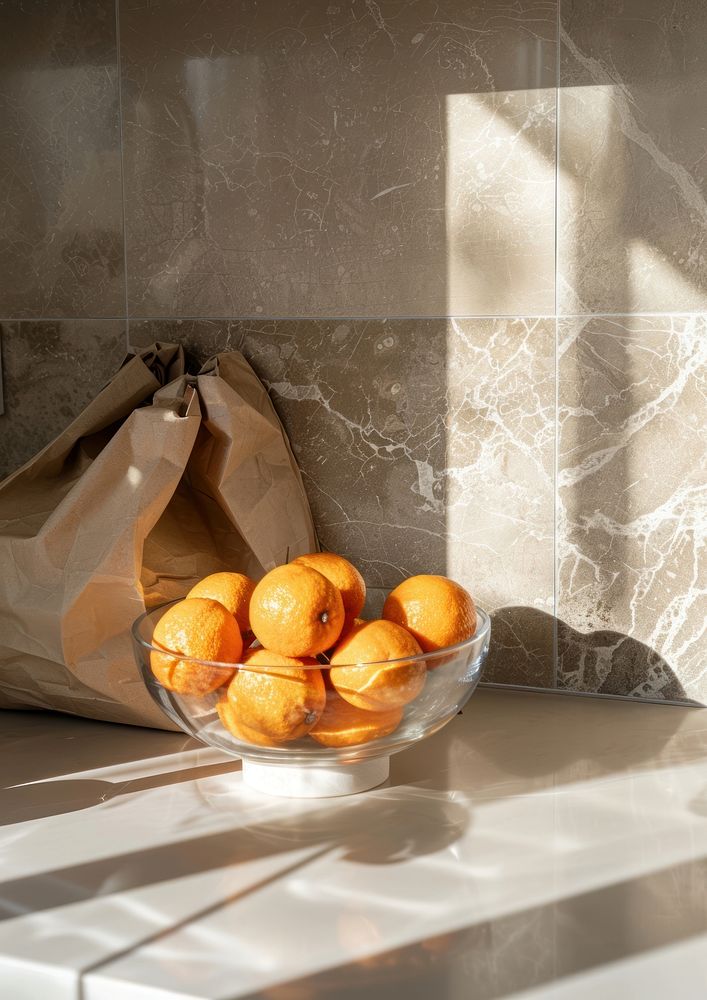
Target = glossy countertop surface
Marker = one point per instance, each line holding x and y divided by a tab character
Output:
540	845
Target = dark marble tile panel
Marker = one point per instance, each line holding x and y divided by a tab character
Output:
61	226
51	370
360	159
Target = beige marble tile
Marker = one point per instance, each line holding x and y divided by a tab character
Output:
426	446
61	219
362	159
51	370
632	506
498	480
500	203
632	179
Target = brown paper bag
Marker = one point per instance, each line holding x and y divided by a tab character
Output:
164	478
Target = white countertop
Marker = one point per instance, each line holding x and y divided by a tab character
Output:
544	845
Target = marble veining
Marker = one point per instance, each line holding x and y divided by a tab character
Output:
51	371
632	501
366	159
361	170
61	213
632	178
418	446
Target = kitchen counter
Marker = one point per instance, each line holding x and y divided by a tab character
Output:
541	844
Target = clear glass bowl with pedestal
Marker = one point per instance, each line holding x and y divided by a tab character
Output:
330	759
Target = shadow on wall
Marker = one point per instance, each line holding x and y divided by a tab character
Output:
526	640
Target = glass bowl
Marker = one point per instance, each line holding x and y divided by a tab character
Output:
305	767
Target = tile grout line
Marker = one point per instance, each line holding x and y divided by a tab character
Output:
625	699
122	170
555	416
557	150
555	644
696	313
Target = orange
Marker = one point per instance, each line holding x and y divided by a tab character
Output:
343	725
233	590
229	721
202	629
296	611
277	697
383	685
343	574
438	611
349	623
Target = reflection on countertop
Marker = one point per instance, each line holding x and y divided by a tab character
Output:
541	844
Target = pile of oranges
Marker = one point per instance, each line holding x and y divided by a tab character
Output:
300	649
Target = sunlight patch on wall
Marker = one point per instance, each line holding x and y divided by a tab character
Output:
626	207
500	202
499	475
648	266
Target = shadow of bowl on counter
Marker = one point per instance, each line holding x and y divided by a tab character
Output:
360	829
388	827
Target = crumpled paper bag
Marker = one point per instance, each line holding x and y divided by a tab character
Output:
164	478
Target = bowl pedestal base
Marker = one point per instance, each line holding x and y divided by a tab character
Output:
315	782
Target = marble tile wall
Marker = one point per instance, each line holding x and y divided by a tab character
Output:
631	478
410	465
462	244
324	188
61	211
632	214
51	370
